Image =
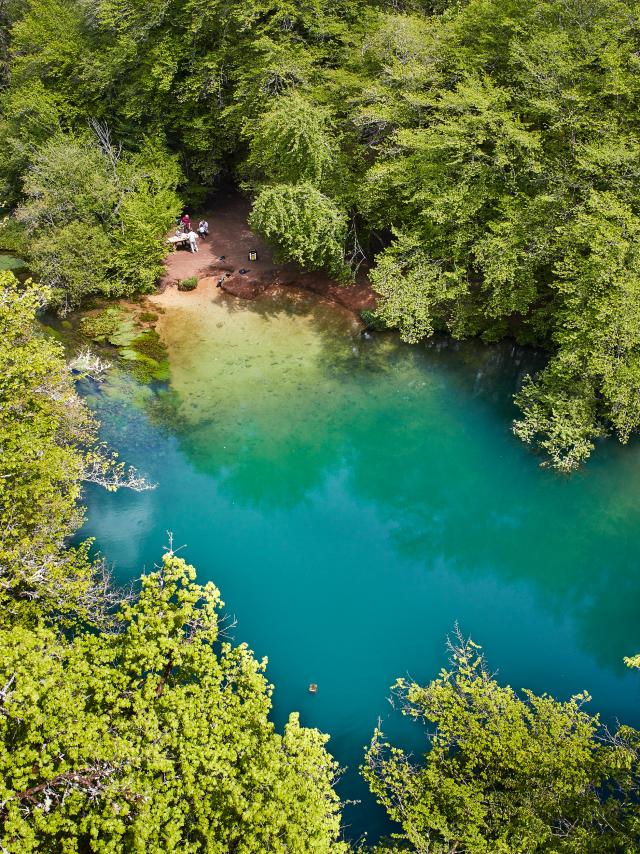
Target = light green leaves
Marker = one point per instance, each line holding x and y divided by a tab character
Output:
96	217
304	225
293	142
502	771
154	738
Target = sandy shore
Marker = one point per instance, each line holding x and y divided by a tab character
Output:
225	252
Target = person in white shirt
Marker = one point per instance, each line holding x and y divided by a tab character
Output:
193	240
203	228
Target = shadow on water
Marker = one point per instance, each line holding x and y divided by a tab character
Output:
353	498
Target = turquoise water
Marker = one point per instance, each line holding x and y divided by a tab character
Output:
354	499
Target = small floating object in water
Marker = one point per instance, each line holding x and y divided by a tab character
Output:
313	688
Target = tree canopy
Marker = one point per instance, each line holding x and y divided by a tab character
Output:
129	722
155	737
503	771
482	154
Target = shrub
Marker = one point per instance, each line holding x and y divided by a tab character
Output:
304	226
189	284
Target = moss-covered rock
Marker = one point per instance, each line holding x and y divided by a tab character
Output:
148	316
101	325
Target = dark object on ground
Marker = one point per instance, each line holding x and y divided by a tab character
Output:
222	257
242	271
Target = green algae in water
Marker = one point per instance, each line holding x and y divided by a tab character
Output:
125	334
113	325
148	344
140	347
102	325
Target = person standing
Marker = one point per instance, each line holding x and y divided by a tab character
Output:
186	222
193	240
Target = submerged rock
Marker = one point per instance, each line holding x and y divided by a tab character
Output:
138	345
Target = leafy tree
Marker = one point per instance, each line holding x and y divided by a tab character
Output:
503	772
155	738
304	225
597	367
292	143
48	448
498	157
42	424
147	206
418	293
97	217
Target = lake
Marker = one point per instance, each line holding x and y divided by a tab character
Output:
354	499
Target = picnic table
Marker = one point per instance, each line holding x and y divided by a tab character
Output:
178	240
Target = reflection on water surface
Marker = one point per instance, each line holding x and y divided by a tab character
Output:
354	498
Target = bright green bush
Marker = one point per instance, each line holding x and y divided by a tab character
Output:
188	284
303	225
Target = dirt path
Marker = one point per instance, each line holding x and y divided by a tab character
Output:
226	251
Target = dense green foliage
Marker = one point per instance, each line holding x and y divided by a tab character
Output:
47	444
97	218
128	722
482	153
306	225
504	773
150	738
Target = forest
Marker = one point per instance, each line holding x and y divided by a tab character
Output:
480	155
478	160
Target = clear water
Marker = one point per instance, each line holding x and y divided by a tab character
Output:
354	499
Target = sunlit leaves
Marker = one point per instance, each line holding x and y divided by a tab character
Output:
304	224
155	737
502	771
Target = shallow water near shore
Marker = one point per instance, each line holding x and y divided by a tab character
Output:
354	499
